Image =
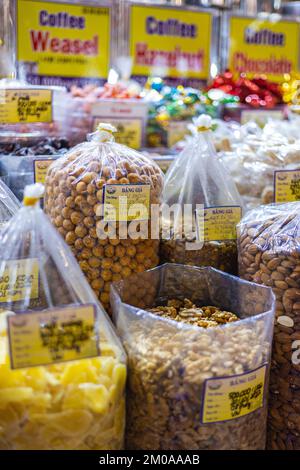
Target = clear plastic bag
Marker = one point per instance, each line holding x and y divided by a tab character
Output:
170	363
75	188
77	404
197	177
9	204
269	254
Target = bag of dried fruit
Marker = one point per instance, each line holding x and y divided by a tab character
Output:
62	368
9	204
268	242
99	196
198	343
201	206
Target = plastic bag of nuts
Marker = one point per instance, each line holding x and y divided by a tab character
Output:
77	185
174	367
269	254
195	181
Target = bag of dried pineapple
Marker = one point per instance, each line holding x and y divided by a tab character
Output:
85	193
198	343
62	368
201	202
9	204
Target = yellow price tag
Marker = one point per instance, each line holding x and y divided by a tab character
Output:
25	106
227	398
19	280
218	223
258	46
129	131
51	336
126	202
40	168
287	185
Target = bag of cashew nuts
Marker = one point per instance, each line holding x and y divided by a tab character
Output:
62	366
99	196
201	206
198	343
269	254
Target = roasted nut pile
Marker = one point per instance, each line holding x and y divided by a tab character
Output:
269	254
74	196
187	312
169	362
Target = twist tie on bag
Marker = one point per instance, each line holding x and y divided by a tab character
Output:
203	123
32	194
104	133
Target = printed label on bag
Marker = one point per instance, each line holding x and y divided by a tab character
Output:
129	131
218	223
126	202
40	168
51	336
287	185
19	280
25	106
226	398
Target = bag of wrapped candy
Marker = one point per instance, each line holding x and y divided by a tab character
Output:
198	343
201	206
62	368
97	195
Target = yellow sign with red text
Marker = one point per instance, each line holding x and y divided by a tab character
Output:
257	46
169	42
63	40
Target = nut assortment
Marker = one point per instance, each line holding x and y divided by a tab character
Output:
74	195
269	255
169	362
187	312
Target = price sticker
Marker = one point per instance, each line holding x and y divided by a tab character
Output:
126	202
25	106
52	336
227	398
19	280
40	168
129	131
287	185
218	223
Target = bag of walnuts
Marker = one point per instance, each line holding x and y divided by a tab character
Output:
85	193
62	367
201	203
268	241
198	343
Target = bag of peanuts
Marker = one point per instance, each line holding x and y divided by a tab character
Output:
9	204
100	197
62	367
201	206
198	343
269	254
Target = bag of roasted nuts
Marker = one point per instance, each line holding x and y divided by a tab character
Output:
199	344
99	196
201	206
269	241
62	366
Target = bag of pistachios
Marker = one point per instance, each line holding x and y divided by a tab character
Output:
201	206
62	368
